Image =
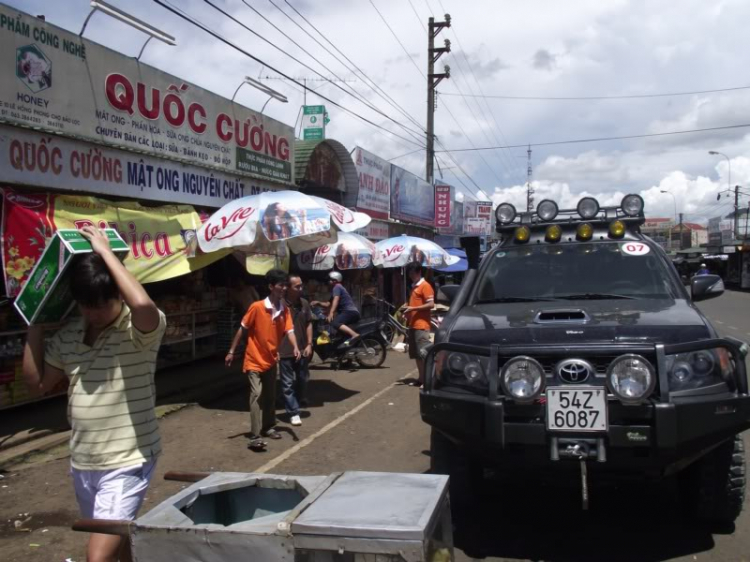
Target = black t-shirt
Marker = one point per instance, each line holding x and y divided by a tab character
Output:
301	317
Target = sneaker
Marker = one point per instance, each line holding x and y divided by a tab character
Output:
296	420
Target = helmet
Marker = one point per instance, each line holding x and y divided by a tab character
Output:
336	276
703	265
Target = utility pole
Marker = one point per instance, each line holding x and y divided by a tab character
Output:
433	54
736	219
681	244
529	189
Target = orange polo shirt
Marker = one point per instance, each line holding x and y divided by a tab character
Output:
422	293
266	327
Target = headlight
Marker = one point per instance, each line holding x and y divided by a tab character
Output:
505	213
522	379
700	369
631	378
461	369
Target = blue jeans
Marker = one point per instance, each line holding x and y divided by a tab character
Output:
294	377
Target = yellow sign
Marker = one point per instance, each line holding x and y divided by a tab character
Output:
161	239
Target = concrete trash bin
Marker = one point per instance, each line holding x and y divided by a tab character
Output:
343	517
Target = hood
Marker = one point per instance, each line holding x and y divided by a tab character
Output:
644	320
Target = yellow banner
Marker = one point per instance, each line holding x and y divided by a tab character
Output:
161	239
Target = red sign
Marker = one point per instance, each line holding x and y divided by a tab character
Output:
442	206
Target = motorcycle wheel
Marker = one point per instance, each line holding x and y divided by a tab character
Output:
388	333
370	353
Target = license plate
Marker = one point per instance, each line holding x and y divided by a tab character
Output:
576	409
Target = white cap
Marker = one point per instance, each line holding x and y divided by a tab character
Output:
336	276
703	265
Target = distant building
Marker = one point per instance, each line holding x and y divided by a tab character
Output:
666	233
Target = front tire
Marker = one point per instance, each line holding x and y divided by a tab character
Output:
715	484
370	352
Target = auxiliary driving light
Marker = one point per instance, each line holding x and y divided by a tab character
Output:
522	379
617	229
631	378
585	231
505	213
522	234
554	233
547	210
588	207
632	205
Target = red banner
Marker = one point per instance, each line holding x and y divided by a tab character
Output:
26	226
442	206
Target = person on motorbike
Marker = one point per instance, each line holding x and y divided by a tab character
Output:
342	312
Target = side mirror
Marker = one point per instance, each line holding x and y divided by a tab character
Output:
447	293
704	287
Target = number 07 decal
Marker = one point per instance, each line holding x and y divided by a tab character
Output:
634	248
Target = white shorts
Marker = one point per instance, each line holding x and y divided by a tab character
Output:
112	494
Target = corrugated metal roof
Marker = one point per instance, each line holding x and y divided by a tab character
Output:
303	151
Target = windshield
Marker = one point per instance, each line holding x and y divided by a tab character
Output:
604	270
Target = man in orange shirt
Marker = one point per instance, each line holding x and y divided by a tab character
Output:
265	323
421	302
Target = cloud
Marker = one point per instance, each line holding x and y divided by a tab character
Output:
483	69
544	60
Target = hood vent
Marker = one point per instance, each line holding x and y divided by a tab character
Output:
562	316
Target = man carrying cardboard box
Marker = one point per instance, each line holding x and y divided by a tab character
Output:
109	357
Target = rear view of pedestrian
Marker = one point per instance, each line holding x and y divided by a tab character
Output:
294	371
264	325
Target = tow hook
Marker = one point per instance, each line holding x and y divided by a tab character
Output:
580	450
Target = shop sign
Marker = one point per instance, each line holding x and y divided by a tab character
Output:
457	219
376	230
374	195
443	206
161	239
43	160
412	198
729	249
56	81
477	218
314	119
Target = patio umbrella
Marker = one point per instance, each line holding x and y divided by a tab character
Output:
350	251
461	265
401	250
273	222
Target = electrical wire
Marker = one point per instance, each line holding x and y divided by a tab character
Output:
593	98
222	39
604	139
398	40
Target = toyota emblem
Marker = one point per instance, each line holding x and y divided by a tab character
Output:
574	371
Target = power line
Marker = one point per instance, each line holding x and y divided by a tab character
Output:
590	98
355	95
603	139
398	40
206	29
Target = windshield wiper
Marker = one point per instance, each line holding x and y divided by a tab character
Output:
594	297
515	299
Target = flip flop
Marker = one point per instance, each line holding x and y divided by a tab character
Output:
272	434
257	445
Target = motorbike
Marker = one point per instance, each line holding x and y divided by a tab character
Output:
368	351
393	322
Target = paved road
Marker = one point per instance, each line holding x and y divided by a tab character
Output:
365	420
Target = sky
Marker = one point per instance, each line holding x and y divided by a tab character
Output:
532	49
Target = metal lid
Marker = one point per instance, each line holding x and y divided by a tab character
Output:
375	505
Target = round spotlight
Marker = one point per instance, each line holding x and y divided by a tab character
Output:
554	233
632	205
631	378
585	231
522	379
588	207
505	213
617	229
547	210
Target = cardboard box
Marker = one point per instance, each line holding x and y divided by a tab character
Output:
45	297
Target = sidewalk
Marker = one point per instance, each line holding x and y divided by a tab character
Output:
176	386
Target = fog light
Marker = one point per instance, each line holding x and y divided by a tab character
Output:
523	234
554	233
617	229
585	231
631	378
522	379
547	210
588	207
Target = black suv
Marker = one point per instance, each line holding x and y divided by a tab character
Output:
575	346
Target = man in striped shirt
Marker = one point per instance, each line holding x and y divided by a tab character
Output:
109	357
